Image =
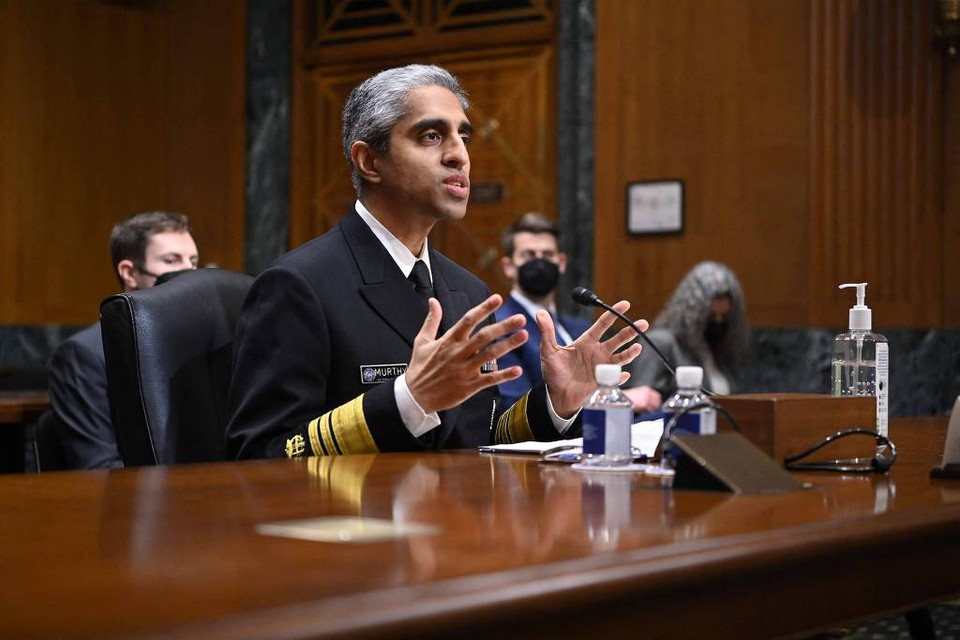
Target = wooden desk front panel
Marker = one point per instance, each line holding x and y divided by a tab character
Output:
523	548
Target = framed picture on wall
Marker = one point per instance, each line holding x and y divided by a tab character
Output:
655	207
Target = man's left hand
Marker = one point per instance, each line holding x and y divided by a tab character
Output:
569	371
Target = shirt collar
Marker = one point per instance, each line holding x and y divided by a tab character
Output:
530	306
402	256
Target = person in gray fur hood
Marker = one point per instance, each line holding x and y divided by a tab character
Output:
704	324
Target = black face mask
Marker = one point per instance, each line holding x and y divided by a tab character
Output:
714	332
539	277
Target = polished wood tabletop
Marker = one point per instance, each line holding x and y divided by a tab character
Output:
501	546
17	407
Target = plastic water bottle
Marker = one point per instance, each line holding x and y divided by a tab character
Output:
699	421
606	421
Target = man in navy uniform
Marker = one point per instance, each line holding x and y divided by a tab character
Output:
367	339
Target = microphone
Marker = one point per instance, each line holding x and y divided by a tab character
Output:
587	298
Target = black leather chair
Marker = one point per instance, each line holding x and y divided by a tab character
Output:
46	446
168	351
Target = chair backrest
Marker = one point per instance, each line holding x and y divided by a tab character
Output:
168	351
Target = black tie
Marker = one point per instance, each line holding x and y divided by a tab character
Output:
420	277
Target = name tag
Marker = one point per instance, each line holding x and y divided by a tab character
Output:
377	373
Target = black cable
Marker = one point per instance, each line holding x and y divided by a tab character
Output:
877	464
702	404
587	298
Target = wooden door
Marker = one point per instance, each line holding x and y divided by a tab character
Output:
512	93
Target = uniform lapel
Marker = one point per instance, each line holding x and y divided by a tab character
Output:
384	288
454	303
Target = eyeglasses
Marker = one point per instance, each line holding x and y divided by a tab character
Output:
880	463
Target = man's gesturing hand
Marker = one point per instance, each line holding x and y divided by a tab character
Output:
445	371
569	371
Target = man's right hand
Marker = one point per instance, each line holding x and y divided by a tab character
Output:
445	371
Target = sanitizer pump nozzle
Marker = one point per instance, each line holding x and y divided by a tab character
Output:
861	317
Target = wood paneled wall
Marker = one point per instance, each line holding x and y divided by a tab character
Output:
108	109
951	195
876	160
809	137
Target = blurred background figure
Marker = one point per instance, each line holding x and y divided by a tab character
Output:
143	247
533	262
704	324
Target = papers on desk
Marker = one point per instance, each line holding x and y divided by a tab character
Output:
644	436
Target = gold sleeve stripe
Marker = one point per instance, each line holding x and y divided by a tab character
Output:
329	439
352	431
315	445
513	425
341	431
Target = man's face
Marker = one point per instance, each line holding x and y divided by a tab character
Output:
530	246
426	170
166	251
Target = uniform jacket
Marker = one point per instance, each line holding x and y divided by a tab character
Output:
323	333
527	355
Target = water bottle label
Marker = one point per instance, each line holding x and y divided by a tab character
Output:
688	423
696	423
594	431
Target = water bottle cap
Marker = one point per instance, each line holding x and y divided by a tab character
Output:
689	377
607	375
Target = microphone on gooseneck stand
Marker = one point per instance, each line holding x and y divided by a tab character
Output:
587	298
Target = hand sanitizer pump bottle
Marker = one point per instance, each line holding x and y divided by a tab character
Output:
861	361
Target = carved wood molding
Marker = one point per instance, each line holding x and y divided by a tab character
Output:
346	30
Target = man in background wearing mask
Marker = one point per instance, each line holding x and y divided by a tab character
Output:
143	247
533	262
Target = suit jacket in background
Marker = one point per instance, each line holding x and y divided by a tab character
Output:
324	332
78	394
527	355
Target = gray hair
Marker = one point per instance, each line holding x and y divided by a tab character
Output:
689	307
378	103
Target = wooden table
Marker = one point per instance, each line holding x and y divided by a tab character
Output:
17	410
17	407
521	550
